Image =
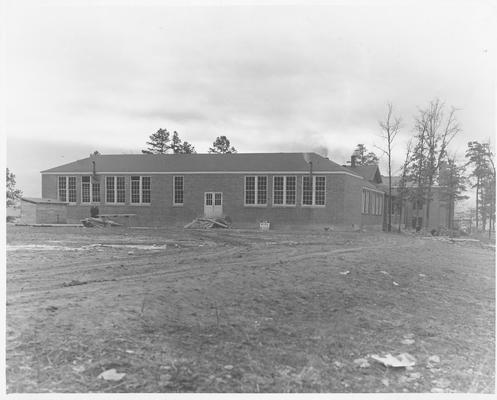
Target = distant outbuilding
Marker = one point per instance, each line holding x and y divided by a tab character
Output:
43	211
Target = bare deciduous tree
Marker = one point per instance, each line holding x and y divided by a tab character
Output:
402	189
434	133
390	128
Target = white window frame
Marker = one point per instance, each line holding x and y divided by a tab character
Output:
66	179
140	190
174	190
285	179
115	190
313	191
256	191
90	188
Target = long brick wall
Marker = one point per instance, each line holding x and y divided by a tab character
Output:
343	202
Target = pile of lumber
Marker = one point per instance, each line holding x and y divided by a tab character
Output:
98	222
208	223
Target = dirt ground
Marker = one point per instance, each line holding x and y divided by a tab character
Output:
246	311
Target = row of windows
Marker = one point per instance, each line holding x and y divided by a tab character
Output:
372	202
285	190
256	190
115	189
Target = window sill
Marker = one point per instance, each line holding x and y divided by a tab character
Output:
256	205
313	206
140	204
284	205
178	205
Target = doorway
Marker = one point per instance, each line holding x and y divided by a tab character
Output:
213	204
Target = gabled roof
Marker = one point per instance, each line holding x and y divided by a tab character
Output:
369	172
36	200
395	181
201	163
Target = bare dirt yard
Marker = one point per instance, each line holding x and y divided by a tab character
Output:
246	311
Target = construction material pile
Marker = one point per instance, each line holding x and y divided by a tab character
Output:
208	223
98	222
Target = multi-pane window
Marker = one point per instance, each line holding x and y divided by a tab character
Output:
120	189
140	189
364	204
62	188
284	190
110	189
320	190
313	191
95	192
85	189
115	191
146	189
67	188
256	190
90	190
372	202
71	189
178	190
135	189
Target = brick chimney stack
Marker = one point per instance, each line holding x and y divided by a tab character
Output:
353	158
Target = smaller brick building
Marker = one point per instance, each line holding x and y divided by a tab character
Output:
172	189
43	211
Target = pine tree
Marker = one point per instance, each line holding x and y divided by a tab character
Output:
481	159
179	147
453	184
363	157
159	142
222	146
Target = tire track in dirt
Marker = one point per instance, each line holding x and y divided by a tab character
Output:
172	275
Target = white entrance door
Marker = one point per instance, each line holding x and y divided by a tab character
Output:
213	204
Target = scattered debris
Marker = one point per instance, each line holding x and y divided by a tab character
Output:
395	283
208	223
228	367
264	226
422	275
408	336
362	362
384	273
130	351
98	222
338	364
51	308
437	390
111	375
401	361
443	383
73	283
408	341
130	253
78	368
385	381
434	359
345	273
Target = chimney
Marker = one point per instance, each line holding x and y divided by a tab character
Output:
353	157
94	168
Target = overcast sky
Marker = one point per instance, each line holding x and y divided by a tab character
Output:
81	77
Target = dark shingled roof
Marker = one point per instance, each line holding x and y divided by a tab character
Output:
239	162
369	172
